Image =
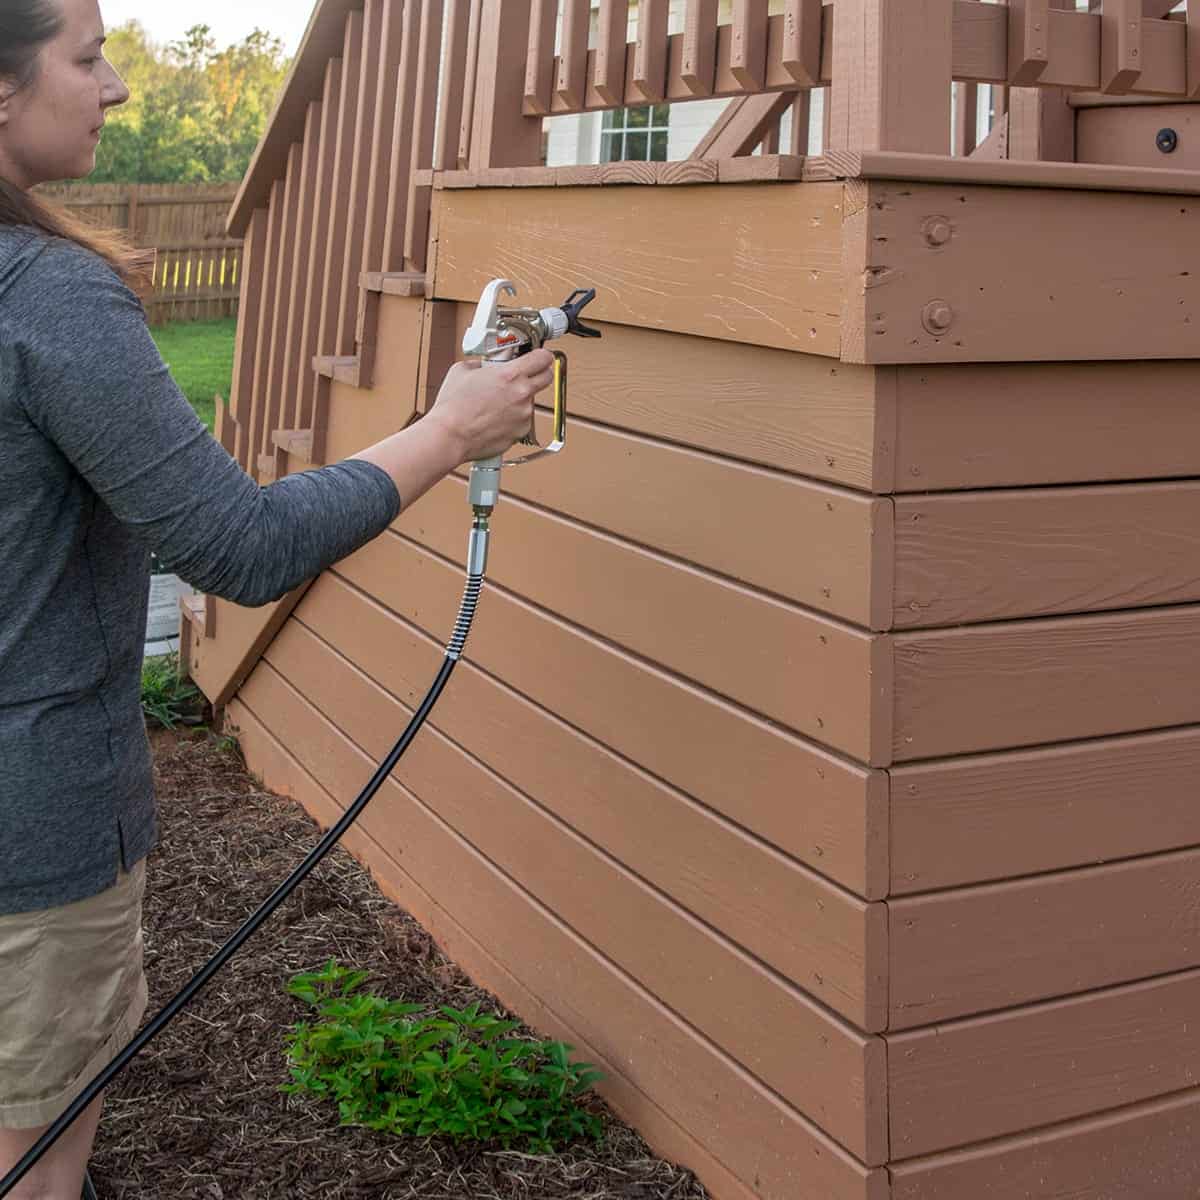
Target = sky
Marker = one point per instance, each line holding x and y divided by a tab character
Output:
230	20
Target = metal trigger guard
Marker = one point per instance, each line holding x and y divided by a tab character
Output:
560	418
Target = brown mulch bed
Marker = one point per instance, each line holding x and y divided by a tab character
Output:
199	1114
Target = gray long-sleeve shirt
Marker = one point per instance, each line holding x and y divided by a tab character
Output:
101	461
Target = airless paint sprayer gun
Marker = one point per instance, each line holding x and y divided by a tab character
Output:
497	335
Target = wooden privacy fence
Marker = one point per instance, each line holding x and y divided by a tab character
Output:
198	267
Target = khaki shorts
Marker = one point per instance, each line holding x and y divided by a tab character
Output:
72	995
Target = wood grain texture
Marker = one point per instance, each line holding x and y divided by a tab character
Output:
982	556
1027	683
998	816
684	504
1144	1152
693	266
1019	425
712	983
969	1081
762	1143
990	947
814	806
810	673
966	298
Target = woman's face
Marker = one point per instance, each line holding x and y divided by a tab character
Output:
50	127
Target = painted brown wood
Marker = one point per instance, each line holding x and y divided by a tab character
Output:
697	857
341	215
357	420
252	419
879	100
403	136
295	360
416	227
1127	134
997	816
813	1060
648	76
319	235
981	556
1025	424
285	266
955	299
502	136
570	83
389	88
353	237
1121	53
968	1081
699	51
286	776
452	85
990	947
817	676
748	46
800	52
1026	683
1143	1152
250	316
762	1142
814	806
679	271
744	125
607	63
539	64
219	666
1028	41
320	44
651	494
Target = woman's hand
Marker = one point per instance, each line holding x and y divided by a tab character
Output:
485	410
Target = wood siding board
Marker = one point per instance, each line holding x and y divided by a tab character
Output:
965	283
808	672
1027	683
289	778
997	555
976	950
999	816
972	1080
761	1138
558	238
1018	425
710	983
812	805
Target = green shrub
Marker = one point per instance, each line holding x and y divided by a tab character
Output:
167	699
457	1073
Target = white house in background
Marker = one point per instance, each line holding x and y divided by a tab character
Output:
660	132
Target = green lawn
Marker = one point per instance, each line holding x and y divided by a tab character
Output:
200	355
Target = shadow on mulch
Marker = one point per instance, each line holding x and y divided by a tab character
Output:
199	1115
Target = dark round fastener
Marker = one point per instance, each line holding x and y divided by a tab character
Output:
1166	140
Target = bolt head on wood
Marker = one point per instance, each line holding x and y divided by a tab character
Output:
937	231
937	316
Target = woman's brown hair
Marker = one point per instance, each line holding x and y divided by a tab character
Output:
26	26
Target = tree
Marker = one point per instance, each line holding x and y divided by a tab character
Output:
195	113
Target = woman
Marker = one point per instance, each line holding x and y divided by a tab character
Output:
102	461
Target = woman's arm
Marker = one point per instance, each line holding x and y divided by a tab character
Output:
93	382
478	414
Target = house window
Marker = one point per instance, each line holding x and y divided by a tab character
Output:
638	134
